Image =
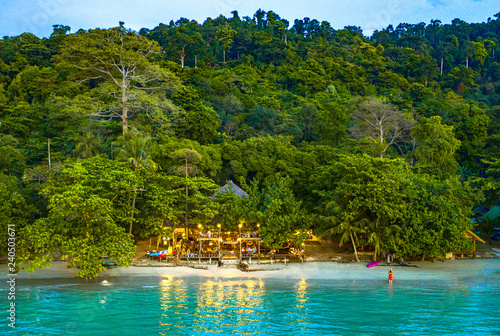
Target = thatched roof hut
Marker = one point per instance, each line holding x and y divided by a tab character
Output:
231	186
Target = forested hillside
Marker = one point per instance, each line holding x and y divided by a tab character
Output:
389	140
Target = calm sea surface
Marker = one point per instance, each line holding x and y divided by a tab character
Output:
231	306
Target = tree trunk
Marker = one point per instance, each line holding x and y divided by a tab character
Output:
467	62
186	214
442	65
376	246
182	56
132	215
48	149
124	115
224	55
354	247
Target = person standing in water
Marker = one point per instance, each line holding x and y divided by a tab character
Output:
390	275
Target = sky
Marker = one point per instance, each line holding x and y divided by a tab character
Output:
38	16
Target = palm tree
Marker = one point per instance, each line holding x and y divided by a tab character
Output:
381	234
348	225
136	150
88	145
190	159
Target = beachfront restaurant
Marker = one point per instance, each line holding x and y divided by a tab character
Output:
199	245
194	242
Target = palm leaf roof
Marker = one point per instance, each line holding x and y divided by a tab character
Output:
231	186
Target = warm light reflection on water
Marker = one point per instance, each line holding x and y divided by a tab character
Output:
213	305
232	303
172	300
271	307
301	299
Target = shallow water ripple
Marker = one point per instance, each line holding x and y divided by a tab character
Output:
196	306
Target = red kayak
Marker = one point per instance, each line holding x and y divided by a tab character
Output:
375	263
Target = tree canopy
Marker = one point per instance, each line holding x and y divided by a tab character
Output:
387	141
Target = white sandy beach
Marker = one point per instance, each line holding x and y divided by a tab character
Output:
448	270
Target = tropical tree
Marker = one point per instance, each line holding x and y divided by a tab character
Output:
226	36
190	159
15	210
197	122
81	226
12	161
87	146
135	149
435	145
348	225
382	124
124	65
108	179
280	215
437	217
366	196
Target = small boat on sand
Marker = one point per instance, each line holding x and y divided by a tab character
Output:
375	263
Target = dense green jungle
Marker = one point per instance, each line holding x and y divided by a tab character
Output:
108	136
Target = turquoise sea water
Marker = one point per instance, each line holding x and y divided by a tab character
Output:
156	305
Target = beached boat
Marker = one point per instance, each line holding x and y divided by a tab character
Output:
375	263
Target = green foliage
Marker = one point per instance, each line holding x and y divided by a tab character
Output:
394	209
81	226
15	209
124	110
435	146
360	194
280	215
12	161
210	164
437	217
199	123
135	150
121	64
87	146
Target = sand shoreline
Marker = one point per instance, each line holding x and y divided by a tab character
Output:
452	269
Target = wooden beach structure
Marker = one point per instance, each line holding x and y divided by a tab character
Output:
474	236
193	242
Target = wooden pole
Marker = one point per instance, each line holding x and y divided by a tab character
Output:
186	214
132	215
48	148
218	242
259	251
176	249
